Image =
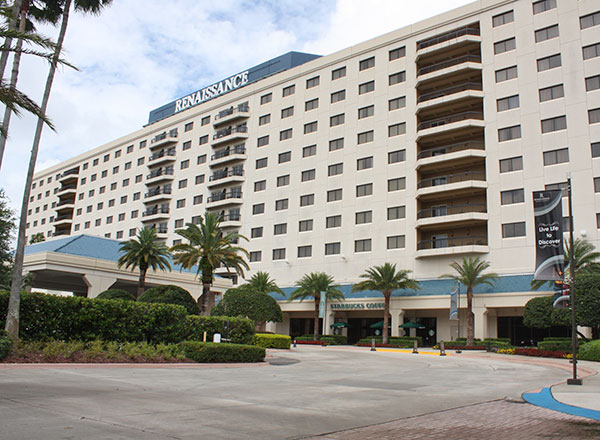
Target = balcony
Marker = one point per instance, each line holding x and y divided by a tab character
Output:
231	220
155	214
232	114
63	219
64	205
163	139
160	174
230	134
452	215
157	194
62	231
162	157
225	177
161	231
457	152
469	119
466	181
68	189
464	34
228	155
449	63
68	175
437	246
470	86
224	198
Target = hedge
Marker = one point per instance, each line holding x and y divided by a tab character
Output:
328	339
5	344
555	345
590	351
170	294
402	341
211	352
116	294
267	340
237	330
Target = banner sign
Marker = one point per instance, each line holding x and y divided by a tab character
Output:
549	262
454	305
323	305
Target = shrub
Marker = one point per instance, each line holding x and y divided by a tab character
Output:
5	344
555	345
538	353
394	341
236	330
507	340
557	339
590	351
334	339
170	294
116	294
266	340
211	352
244	301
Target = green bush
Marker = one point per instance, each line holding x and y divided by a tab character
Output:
211	352
236	330
590	351
334	339
398	341
507	340
5	344
116	294
169	294
267	340
555	345
557	339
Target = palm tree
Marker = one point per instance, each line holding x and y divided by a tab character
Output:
262	282
312	285
470	273
207	248
385	279
37	238
144	252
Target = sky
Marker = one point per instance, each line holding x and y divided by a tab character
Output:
134	58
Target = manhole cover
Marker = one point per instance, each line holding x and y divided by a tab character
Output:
282	361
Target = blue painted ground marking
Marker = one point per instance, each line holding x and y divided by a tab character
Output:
545	399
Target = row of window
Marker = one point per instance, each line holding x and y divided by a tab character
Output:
540	6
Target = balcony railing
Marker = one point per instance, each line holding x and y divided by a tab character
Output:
61	232
451	178
441	211
449	119
163	153
154	211
215	197
231	217
448	63
164	135
69	186
239	149
440	243
160	172
160	230
66	202
63	217
450	91
157	191
242	108
223	174
228	131
452	148
447	36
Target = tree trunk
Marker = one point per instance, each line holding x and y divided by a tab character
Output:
316	325
141	283
12	316
205	303
260	326
13	78
470	317
386	317
12	25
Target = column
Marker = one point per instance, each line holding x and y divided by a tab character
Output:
327	321
97	284
481	322
397	319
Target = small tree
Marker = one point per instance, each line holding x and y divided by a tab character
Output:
169	294
262	282
37	238
116	294
539	313
587	300
250	303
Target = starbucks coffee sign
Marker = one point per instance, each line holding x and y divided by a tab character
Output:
358	306
212	91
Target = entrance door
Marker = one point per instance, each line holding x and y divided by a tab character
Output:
361	328
429	333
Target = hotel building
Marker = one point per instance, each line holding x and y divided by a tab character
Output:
418	147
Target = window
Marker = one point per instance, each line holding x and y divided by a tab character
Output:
256	232
509	133
594	116
365	137
261	163
280	229
285	134
132	232
109	219
366	189
143	144
338	96
556	156
512	196
264	99
507	103
305	225
396	78
396	184
285	156
333	120
589	20
281	204
304	251
362	245
592	83
335	169
140	161
364	163
308	151
596	184
366	112
552	92
201	159
138	178
597	220
338	73
311	127
283	180
396	129
396	212
197	199
510	230
366	64
180	203
279	254
188	127
255	256
311	105
95	162
506	74
313	82
106	157
333	248
396	242
262	141
366	87
264	119
259	208
179	223
127	166
99	206
308	175
596	149
336	144
334	195
86	225
543	6
205	121
554	124
548	63
334	221
396	156
287	112
187	145
307	200
289	90
546	33
511	164
591	51
104	173
399	52
505	17
505	46
113	186
363	217
396	103
184	164
123	200
203	140
199	179
563	186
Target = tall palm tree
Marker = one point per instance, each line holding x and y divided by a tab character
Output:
207	248
470	273
12	316
385	279
144	252
262	282
312	285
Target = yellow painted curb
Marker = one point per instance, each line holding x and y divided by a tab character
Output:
430	353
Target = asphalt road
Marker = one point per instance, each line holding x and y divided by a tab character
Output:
304	392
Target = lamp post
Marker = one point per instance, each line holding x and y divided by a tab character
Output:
574	380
